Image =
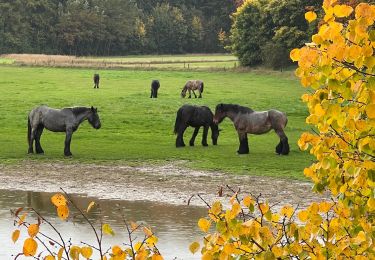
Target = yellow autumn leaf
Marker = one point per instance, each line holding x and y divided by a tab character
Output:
63	212
295	54
58	200
33	230
319	111
194	247
74	252
60	253
216	208
107	229
247	201
287	211
151	241
133	225
22	219
370	111
29	247
264	208
116	250
325	206
49	257
303	215
157	257
147	231
361	237
342	10
204	224
371	204
15	235
86	251
89	207
310	16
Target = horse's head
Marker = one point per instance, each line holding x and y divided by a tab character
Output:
215	133
93	118
183	93
220	114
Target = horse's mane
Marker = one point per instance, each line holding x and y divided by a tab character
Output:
79	110
238	108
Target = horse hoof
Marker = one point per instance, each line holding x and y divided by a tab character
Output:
191	144
242	152
40	152
68	154
205	144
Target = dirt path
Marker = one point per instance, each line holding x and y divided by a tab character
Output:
168	184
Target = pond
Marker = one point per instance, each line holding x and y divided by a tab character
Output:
175	226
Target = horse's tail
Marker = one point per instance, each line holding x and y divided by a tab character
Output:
286	119
202	86
28	129
178	120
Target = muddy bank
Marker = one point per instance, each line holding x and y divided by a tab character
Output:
168	184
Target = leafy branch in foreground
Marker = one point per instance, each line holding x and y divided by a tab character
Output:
338	67
60	248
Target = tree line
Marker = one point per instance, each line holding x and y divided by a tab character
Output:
113	27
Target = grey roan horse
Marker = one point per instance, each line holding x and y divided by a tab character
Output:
195	116
246	121
58	120
192	85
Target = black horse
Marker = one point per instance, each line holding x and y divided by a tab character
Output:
58	120
96	80
155	85
195	116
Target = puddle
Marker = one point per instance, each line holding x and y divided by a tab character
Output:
166	184
174	225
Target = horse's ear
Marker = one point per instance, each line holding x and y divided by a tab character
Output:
92	108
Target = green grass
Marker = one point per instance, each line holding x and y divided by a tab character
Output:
137	129
6	61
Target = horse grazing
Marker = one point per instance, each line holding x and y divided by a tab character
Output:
58	120
192	85
96	80
246	121
155	85
195	116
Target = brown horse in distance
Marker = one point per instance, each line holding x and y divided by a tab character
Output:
192	85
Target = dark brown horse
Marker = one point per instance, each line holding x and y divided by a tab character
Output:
247	121
195	116
192	85
155	85
96	80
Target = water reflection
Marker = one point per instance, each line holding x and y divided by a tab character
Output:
175	226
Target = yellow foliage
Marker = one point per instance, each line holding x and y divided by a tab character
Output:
29	247
310	16
107	229
194	247
15	235
58	200
86	251
33	230
63	212
204	224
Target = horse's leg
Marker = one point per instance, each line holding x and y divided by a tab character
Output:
196	130
31	140
151	96
204	137
189	93
156	93
180	136
200	94
244	146
38	147
283	146
68	138
194	93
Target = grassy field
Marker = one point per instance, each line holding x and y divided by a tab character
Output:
137	129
